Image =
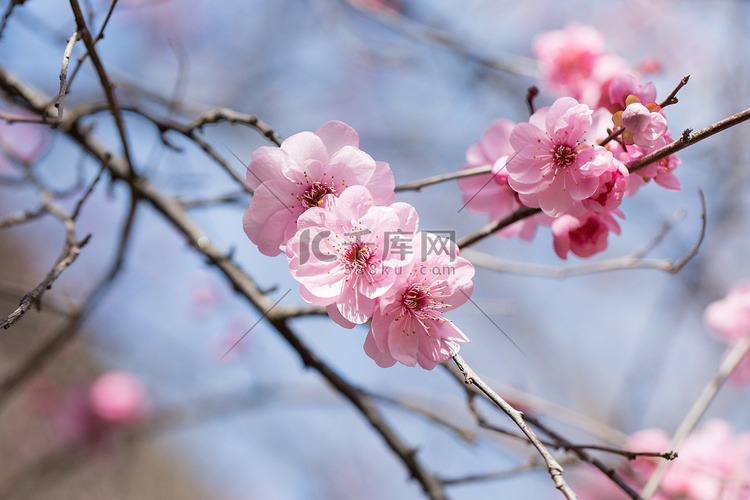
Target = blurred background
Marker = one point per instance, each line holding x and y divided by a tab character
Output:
419	81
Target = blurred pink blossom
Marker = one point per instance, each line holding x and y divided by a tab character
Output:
625	85
117	398
573	62
297	176
729	319
85	416
408	325
713	463
22	142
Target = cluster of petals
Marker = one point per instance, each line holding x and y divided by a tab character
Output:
408	325
490	193
353	248
566	160
644	124
340	256
729	319
713	463
367	262
583	236
573	61
300	174
553	165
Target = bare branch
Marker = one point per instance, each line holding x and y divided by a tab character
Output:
70	251
553	467
468	172
107	85
634	261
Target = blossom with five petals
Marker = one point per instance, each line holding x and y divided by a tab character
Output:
408	325
553	166
297	176
340	252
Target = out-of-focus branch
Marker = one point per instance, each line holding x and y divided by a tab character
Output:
510	63
634	261
730	362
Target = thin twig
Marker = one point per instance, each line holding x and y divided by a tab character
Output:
633	261
553	467
70	251
60	104
467	172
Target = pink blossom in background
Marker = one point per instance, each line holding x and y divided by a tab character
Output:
22	142
118	398
624	86
490	193
729	319
297	176
343	252
408	325
554	166
233	341
85	416
573	62
583	236
713	463
650	64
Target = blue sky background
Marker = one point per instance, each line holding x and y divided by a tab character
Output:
626	348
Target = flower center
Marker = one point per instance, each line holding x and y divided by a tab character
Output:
417	297
564	155
314	194
357	257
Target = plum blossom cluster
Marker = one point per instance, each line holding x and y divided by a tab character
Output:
570	159
713	463
729	319
354	249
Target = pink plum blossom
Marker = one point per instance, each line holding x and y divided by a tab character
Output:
662	171
490	193
624	86
408	325
713	463
612	187
343	252
729	319
573	62
297	176
554	166
117	398
85	416
644	125
583	236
